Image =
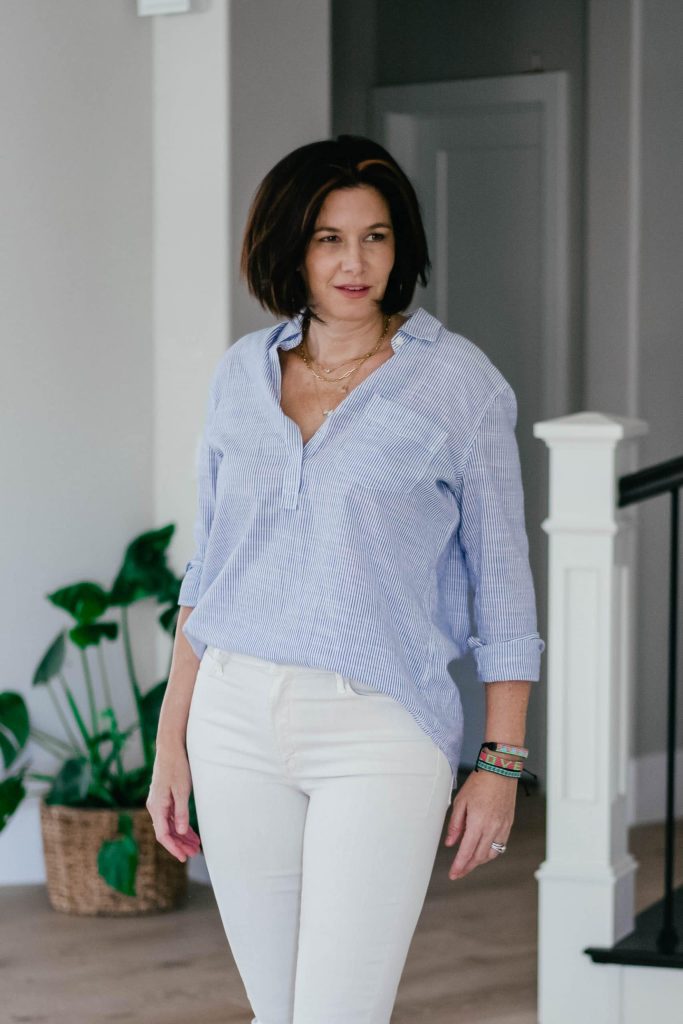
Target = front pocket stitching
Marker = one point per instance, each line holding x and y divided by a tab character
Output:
436	434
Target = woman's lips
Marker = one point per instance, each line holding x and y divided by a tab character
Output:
353	292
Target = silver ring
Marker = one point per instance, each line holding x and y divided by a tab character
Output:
499	847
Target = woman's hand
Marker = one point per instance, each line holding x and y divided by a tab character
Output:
483	812
167	803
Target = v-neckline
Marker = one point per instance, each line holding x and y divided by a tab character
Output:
319	433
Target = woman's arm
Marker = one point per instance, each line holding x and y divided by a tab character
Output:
507	646
506	708
176	704
484	806
169	791
493	539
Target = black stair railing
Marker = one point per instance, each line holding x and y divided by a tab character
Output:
634	487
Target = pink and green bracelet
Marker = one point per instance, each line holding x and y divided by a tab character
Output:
503	759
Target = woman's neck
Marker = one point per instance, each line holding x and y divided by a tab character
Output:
336	340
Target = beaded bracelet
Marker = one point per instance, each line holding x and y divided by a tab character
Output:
503	759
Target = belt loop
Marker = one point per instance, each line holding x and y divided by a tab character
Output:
340	682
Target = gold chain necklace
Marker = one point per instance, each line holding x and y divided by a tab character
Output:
302	352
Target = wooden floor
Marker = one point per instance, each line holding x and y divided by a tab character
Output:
171	968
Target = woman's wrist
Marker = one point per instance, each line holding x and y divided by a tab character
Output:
170	744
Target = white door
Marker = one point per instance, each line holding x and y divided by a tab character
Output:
489	161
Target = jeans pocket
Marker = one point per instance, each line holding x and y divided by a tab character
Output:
213	661
362	689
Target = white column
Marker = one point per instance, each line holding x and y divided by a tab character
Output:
586	882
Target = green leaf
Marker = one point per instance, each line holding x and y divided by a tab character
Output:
168	619
192	809
12	792
144	572
84	601
90	634
117	859
71	784
52	661
150	707
14	725
171	588
101	793
133	789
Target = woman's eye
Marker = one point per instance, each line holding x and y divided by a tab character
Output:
334	238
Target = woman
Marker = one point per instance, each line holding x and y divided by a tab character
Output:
358	475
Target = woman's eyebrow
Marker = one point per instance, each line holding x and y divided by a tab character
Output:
379	224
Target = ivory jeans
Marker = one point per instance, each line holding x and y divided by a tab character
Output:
320	803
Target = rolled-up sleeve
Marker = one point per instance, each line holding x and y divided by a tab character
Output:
207	464
493	539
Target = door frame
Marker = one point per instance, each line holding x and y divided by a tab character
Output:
548	91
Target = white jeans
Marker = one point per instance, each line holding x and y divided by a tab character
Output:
320	804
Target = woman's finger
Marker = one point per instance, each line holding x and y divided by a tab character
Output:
456	824
468	845
162	824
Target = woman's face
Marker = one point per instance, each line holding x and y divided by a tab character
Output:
352	245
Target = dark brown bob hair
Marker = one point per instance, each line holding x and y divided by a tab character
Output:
285	207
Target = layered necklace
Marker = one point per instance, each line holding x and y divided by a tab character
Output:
302	351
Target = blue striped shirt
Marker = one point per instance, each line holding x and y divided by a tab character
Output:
388	545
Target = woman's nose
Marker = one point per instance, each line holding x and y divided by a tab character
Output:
351	256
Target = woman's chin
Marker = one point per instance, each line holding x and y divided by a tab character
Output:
353	308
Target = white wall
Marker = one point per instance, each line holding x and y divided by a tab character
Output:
76	384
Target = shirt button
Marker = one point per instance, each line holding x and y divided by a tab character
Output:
399	341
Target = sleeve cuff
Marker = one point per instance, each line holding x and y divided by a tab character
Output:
519	658
189	588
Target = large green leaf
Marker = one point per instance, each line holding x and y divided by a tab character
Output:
71	783
144	572
117	860
84	601
14	725
170	590
12	792
52	661
90	634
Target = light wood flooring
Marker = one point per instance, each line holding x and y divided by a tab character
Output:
171	968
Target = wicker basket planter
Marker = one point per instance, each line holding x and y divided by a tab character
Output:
72	837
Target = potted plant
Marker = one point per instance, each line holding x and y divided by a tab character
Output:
101	853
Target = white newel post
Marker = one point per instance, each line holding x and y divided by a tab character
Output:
586	882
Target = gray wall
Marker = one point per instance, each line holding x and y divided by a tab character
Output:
660	348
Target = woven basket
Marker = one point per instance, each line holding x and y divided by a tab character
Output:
72	837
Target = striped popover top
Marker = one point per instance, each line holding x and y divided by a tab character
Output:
357	552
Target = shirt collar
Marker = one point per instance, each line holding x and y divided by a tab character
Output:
420	325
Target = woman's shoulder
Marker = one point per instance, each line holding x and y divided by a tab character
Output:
464	362
244	349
